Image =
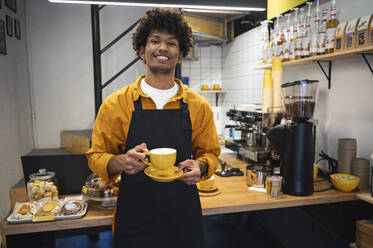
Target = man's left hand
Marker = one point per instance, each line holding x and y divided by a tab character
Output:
192	171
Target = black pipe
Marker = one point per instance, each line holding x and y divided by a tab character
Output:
97	75
178	71
120	72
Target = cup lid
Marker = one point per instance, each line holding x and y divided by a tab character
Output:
42	174
304	81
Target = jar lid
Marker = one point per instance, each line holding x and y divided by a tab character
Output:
43	175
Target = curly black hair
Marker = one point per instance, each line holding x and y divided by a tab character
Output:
171	20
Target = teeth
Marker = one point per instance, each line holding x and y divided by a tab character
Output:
162	57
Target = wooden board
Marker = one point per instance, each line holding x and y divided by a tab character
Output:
232	161
236	197
74	143
206	26
365	196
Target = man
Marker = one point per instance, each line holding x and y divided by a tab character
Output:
155	111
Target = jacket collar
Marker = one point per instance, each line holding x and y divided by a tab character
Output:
181	93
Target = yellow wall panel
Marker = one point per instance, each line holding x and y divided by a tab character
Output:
277	7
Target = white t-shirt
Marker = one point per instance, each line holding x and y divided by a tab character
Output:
160	97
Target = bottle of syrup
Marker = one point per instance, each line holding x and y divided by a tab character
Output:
331	27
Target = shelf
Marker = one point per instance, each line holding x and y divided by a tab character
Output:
212	91
365	197
217	92
326	57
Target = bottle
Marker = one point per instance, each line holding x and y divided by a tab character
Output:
279	38
322	32
287	38
271	45
298	41
295	32
293	36
331	27
306	44
263	55
315	31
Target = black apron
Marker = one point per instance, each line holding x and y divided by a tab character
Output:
158	214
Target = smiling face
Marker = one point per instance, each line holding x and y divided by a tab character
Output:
161	52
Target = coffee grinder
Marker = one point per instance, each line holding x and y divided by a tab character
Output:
295	140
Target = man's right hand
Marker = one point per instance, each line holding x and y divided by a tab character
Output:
129	162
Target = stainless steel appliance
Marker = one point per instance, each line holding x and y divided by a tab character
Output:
247	135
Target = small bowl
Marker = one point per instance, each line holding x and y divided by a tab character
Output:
345	182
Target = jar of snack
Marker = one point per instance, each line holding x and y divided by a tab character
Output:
42	184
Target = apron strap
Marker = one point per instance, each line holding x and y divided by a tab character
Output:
184	115
138	104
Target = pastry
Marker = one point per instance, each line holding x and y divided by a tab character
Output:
50	208
24	210
71	207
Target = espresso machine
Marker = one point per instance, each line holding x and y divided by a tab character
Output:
247	136
295	140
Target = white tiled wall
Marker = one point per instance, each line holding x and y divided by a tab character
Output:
206	70
231	66
242	82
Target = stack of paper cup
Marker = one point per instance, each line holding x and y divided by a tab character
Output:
267	94
360	168
346	153
277	81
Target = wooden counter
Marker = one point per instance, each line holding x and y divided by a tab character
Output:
234	197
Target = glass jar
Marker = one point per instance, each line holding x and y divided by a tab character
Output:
273	187
42	184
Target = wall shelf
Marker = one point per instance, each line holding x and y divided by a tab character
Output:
216	92
328	58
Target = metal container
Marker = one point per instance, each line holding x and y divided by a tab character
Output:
256	175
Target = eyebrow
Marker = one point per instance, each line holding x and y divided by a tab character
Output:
158	36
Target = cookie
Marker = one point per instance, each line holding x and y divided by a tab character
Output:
71	207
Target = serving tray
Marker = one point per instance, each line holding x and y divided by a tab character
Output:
82	212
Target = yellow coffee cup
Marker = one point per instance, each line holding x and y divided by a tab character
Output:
162	161
207	183
205	87
216	87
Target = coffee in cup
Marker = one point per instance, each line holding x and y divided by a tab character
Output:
162	161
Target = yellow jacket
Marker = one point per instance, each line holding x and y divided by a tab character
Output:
114	117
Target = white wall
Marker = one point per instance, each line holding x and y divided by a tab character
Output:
343	111
16	136
60	47
240	79
206	70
